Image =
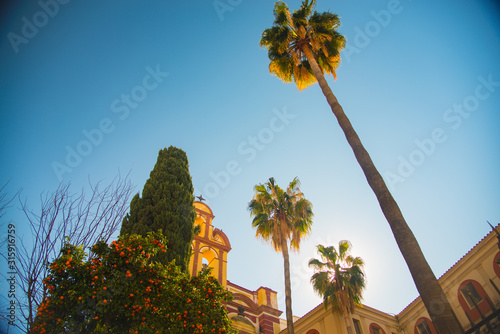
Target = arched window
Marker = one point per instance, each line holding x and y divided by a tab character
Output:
242	324
209	258
496	264
312	331
473	299
376	329
424	326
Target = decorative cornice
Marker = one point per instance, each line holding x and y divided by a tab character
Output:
212	243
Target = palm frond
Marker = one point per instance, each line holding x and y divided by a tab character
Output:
344	246
320	282
300	16
281	14
317	264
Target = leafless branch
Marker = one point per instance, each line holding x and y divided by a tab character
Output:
86	217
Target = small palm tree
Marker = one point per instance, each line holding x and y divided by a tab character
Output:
283	218
339	279
302	48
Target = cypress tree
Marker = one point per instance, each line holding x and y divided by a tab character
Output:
166	204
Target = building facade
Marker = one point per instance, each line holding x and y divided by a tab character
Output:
472	286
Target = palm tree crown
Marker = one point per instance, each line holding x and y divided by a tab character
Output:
281	216
339	277
291	33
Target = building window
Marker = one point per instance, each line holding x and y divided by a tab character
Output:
471	295
312	331
357	326
496	264
376	329
424	326
474	300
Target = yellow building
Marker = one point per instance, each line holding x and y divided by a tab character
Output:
471	286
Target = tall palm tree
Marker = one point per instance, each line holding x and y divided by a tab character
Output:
302	47
339	278
282	217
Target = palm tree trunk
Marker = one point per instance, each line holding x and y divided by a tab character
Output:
288	290
430	291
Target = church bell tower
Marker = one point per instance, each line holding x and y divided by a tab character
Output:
210	246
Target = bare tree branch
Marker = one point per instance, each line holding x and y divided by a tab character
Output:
86	217
5	201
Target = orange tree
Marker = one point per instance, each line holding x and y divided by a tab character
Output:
120	288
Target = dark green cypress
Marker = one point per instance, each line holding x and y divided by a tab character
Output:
167	205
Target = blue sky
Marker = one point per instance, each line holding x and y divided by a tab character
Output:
419	80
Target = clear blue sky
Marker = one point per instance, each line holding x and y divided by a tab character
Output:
420	81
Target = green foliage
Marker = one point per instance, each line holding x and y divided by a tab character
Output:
339	277
293	33
281	214
121	289
166	205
